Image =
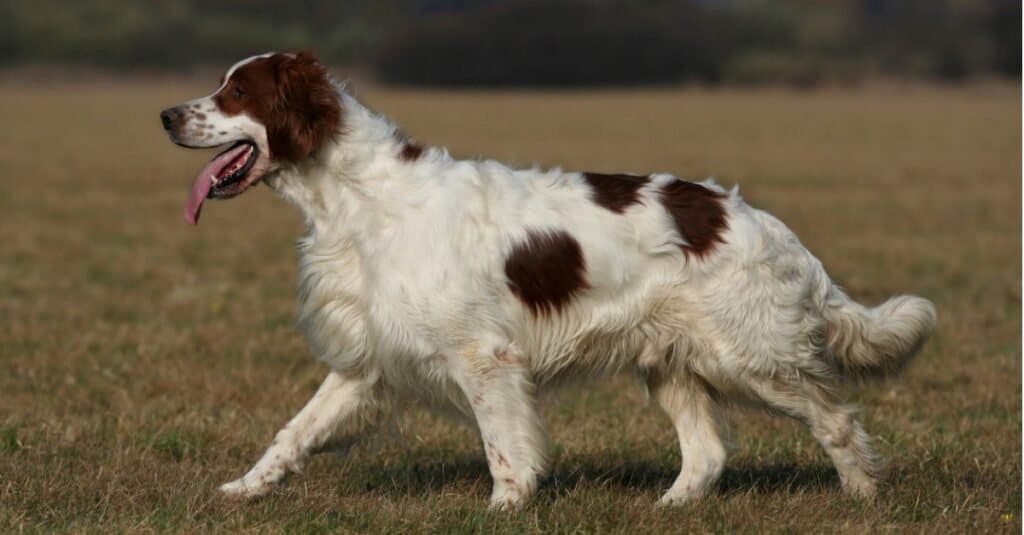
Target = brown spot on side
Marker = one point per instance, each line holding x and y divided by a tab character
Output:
615	192
698	214
546	270
200	116
223	133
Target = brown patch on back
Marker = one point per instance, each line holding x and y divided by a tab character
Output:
410	152
698	214
546	270
615	192
292	96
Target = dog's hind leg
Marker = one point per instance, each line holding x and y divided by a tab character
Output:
341	408
686	399
499	388
831	422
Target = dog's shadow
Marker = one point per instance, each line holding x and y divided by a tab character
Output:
470	474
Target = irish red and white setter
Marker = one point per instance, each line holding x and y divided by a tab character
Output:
472	285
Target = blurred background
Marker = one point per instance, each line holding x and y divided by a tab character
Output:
535	43
144	361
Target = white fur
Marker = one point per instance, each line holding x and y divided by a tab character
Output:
403	294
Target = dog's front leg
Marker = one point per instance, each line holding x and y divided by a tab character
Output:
500	390
342	407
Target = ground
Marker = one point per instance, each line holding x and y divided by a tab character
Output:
144	362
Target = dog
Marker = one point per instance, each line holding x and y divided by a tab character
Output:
473	286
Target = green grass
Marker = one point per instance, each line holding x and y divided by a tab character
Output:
144	362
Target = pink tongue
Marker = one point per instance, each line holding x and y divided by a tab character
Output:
201	187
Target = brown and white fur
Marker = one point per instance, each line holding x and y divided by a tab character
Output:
471	285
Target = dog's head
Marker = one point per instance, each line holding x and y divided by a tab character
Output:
272	109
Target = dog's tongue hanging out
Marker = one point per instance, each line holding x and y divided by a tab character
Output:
204	182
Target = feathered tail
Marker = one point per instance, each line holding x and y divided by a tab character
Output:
877	342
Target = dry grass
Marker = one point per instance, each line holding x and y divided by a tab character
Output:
143	362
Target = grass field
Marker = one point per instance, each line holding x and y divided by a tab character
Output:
144	362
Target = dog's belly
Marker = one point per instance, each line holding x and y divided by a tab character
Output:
588	353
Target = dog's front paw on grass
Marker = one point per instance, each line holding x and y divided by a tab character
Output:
508	496
242	489
863	488
676	500
506	504
679	496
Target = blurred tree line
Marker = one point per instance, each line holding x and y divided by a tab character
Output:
536	42
182	33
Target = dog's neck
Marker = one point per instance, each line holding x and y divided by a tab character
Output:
347	182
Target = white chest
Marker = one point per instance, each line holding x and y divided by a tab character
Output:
332	307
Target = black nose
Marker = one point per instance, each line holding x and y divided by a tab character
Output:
168	116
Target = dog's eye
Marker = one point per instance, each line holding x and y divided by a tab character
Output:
239	92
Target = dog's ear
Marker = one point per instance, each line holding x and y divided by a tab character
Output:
307	108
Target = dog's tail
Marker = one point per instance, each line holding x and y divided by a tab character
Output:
878	342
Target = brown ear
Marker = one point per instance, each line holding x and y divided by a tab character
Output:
307	108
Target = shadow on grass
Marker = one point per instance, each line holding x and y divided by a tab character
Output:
466	474
778	478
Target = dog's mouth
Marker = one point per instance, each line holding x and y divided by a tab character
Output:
229	173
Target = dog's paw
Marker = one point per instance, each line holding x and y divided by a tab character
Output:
675	500
678	497
507	503
243	489
507	496
862	487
